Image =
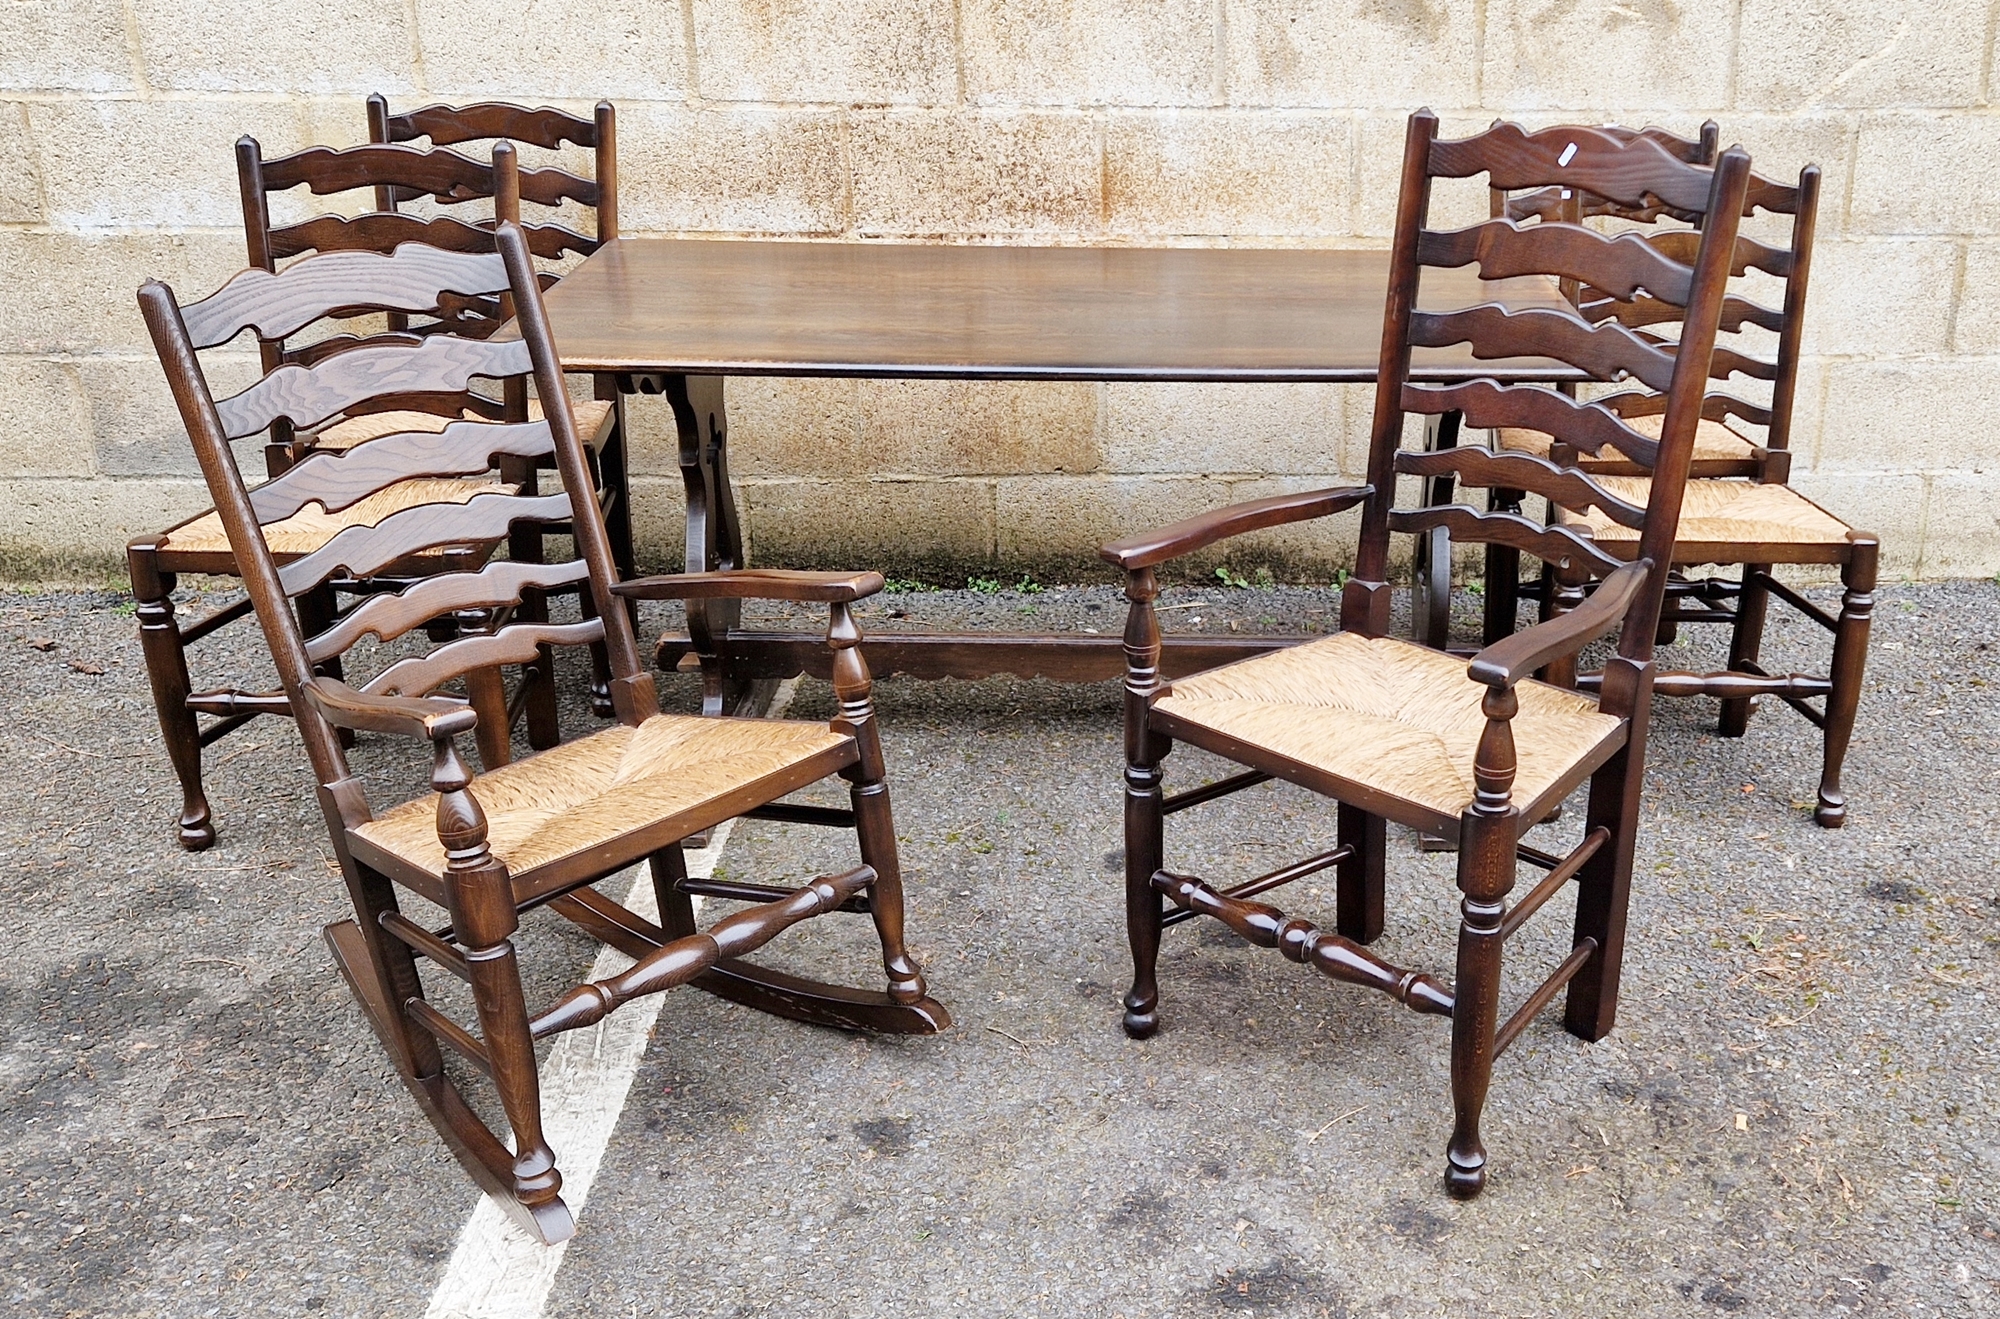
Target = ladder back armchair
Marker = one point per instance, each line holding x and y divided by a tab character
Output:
1395	730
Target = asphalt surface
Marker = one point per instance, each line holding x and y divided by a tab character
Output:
1795	1116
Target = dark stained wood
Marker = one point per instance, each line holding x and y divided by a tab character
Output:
341	479
1607	351
1507	470
998	313
1299	941
407	280
307	395
681	961
1557	545
1621	265
1182	538
1589	428
1066	657
1487	832
491	612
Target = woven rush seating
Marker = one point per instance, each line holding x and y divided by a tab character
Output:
590	792
1714	442
1716	514
591	419
312	526
1385	715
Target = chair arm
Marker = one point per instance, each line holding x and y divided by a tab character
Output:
754	584
429	717
1149	548
1513	658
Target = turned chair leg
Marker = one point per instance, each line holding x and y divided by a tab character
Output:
480	896
1485	874
1850	662
1358	903
166	670
1603	893
1145	855
669	867
1746	643
875	830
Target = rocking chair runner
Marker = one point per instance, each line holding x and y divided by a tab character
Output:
1396	730
543	829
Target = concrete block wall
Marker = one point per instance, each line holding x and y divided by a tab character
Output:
1072	121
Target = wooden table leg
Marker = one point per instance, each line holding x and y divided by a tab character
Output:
714	540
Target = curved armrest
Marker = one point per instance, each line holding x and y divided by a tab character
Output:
428	717
1511	659
754	584
1171	542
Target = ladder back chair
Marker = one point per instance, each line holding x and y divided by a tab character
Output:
543	829
201	545
1741	512
549	186
1432	558
1394	730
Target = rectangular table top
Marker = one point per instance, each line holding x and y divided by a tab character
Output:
908	310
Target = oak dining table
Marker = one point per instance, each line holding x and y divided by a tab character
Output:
678	317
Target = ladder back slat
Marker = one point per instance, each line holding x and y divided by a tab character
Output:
1607	352
1621	265
340	479
279	305
497	585
363	551
517	643
308	395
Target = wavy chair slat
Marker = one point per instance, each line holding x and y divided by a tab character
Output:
363	551
1587	427
306	396
1557	545
1588	159
1714	407
446	125
1727	362
517	643
552	241
378	231
1749	254
497	585
1596	306
447	175
553	187
277	306
1475	465
1607	352
338	479
1620	265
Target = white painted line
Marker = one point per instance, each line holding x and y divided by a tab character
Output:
497	1271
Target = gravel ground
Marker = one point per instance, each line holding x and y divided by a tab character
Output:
1796	1114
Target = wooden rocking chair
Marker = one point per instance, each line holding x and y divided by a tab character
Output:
543	829
1394	730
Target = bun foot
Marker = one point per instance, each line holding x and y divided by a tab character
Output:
1464	1180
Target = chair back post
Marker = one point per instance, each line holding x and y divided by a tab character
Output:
378	132
606	170
632	692
1805	219
1685	394
196	404
1364	601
